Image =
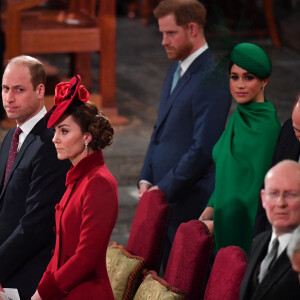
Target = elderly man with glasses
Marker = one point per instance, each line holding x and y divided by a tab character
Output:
269	273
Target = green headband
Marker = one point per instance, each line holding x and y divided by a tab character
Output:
252	58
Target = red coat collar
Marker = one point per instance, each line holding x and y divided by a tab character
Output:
85	166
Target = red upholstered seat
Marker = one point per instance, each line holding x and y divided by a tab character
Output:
148	228
227	274
188	264
1	290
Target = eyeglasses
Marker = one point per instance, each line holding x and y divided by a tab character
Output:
286	195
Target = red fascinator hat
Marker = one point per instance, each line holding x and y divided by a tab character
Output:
65	94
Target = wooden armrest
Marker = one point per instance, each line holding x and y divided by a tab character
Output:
23	4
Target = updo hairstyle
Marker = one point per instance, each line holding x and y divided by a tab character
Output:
88	118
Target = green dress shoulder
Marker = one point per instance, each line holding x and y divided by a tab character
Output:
242	156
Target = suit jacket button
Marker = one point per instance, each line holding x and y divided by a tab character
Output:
156	142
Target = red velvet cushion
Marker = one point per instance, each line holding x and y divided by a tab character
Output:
149	228
188	264
227	274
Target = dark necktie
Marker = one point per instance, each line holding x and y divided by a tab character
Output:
13	151
268	260
176	77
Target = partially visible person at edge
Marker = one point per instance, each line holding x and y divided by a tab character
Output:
287	147
87	213
244	152
293	251
191	116
33	185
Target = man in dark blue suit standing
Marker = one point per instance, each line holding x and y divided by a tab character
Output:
193	109
32	184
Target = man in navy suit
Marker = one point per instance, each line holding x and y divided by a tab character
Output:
191	117
269	274
34	184
287	147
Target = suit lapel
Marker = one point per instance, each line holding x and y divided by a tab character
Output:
295	150
167	99
257	255
281	266
289	144
5	152
29	139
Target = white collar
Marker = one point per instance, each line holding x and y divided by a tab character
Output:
188	61
29	124
283	239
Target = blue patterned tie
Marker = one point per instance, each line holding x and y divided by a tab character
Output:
176	77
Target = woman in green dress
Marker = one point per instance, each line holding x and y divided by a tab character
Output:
244	151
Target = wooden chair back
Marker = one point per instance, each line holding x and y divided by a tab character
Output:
81	28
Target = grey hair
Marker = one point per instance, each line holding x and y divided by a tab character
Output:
294	244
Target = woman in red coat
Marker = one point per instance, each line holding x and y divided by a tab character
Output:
87	213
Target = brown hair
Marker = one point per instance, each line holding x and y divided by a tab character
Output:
88	118
35	67
185	11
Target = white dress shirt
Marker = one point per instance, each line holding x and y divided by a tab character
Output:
28	125
188	61
283	242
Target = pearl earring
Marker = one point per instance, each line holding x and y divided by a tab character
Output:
86	148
